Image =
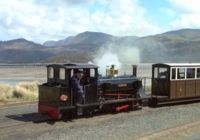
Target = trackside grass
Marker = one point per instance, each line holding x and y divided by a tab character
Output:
22	91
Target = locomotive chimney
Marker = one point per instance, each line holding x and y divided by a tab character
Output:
134	70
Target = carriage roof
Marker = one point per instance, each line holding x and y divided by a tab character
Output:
178	64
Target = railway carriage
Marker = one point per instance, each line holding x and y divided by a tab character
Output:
175	82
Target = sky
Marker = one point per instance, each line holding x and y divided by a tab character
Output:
42	20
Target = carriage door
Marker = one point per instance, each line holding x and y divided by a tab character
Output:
160	81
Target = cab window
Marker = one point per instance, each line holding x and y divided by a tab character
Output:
62	74
50	72
92	73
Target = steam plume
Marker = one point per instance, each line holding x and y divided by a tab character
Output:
121	56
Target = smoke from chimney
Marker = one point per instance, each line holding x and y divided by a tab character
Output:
121	56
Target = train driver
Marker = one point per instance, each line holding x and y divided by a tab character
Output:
76	86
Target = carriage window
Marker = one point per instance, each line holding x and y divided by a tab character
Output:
190	72
50	73
162	73
62	74
173	76
198	72
181	73
155	72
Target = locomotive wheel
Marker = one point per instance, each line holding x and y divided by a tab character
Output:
68	115
89	113
152	102
109	108
136	105
60	116
56	115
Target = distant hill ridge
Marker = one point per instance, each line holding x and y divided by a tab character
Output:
82	38
173	46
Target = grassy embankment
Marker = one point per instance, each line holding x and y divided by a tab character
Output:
27	91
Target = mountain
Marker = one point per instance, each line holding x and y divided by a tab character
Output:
174	46
63	42
91	38
22	51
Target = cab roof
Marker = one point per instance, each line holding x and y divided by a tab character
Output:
74	66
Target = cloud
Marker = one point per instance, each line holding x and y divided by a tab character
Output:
187	6
188	12
52	20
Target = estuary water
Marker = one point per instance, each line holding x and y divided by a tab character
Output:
13	74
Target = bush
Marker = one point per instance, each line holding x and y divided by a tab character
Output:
6	92
23	90
26	90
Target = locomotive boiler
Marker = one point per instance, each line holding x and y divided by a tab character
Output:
113	87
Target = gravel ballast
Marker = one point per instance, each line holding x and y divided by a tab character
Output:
127	125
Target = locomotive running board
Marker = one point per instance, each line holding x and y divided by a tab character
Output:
109	102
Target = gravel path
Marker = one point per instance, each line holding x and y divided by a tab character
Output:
19	109
127	125
188	131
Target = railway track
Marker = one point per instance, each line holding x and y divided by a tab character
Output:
25	124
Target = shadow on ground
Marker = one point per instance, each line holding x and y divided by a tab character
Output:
44	118
32	117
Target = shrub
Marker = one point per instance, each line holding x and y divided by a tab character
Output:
26	90
23	90
6	92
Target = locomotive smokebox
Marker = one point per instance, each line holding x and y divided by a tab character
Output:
134	70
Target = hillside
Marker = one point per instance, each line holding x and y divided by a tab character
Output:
174	46
22	51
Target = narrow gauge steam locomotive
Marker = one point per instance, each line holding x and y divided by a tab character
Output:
113	92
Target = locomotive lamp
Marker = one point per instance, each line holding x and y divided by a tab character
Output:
64	97
111	71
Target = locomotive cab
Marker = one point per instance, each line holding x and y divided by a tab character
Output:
56	96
